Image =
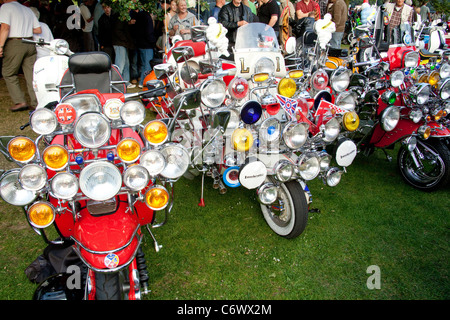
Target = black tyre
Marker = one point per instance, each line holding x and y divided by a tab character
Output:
108	286
288	215
433	172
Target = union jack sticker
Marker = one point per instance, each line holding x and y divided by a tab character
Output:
65	113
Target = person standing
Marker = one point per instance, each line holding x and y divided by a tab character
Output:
17	22
46	34
182	22
339	14
306	8
425	13
215	11
269	13
398	13
88	37
234	15
122	42
104	31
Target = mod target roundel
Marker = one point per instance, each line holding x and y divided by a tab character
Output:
231	177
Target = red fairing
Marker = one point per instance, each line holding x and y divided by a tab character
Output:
438	131
396	54
199	47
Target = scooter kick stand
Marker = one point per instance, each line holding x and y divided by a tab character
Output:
157	246
388	157
202	201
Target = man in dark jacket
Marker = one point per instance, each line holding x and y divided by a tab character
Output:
105	32
234	15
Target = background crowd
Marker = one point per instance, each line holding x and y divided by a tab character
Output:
138	41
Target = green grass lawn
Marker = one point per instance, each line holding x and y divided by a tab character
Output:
226	251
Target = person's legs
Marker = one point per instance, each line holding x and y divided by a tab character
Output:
146	55
12	60
27	68
122	61
336	39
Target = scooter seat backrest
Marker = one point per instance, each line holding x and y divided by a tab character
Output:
91	70
309	38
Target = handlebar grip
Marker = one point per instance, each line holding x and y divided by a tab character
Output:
158	92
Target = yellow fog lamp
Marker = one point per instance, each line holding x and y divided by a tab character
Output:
242	139
260	77
350	121
55	157
287	87
425	131
433	78
128	150
156	132
22	149
438	115
295	74
41	214
157	198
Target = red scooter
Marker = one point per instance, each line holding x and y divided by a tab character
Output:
98	176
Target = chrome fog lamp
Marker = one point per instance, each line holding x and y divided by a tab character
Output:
415	115
270	130
61	47
334	177
295	134
92	130
12	192
411	59
132	113
265	65
422	93
153	161
43	121
136	177
319	80
64	185
267	193
213	93
346	100
177	160
100	180
325	160
390	118
444	71
397	78
340	79
331	130
424	131
410	143
33	177
283	170
444	91
308	166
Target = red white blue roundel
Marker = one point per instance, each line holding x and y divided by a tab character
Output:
111	261
231	177
65	113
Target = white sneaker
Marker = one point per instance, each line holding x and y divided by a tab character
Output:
141	86
131	86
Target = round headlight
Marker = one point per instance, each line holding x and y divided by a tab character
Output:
334	177
397	78
265	65
283	170
346	100
213	93
21	149
153	161
128	150
157	198
433	78
415	115
251	112
238	88
267	193
324	160
389	97
61	47
32	177
12	192
43	121
350	121
331	130
41	214
112	107
64	185
444	71
287	87
92	130
177	161
132	113
55	157
136	177
100	180
308	166
295	135
156	132
242	139
340	79
411	59
270	130
423	93
390	118
444	91
319	80
425	131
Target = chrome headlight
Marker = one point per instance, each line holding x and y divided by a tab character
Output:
340	79
422	93
61	47
331	130
319	80
388	97
92	130
295	134
325	160
444	71
177	160
283	170
390	118
132	113
12	192
213	93
346	100
308	166
100	180
43	121
83	103
333	177
397	78
269	131
153	161
444	91
64	185
32	177
415	115
411	59
267	193
136	177
265	65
